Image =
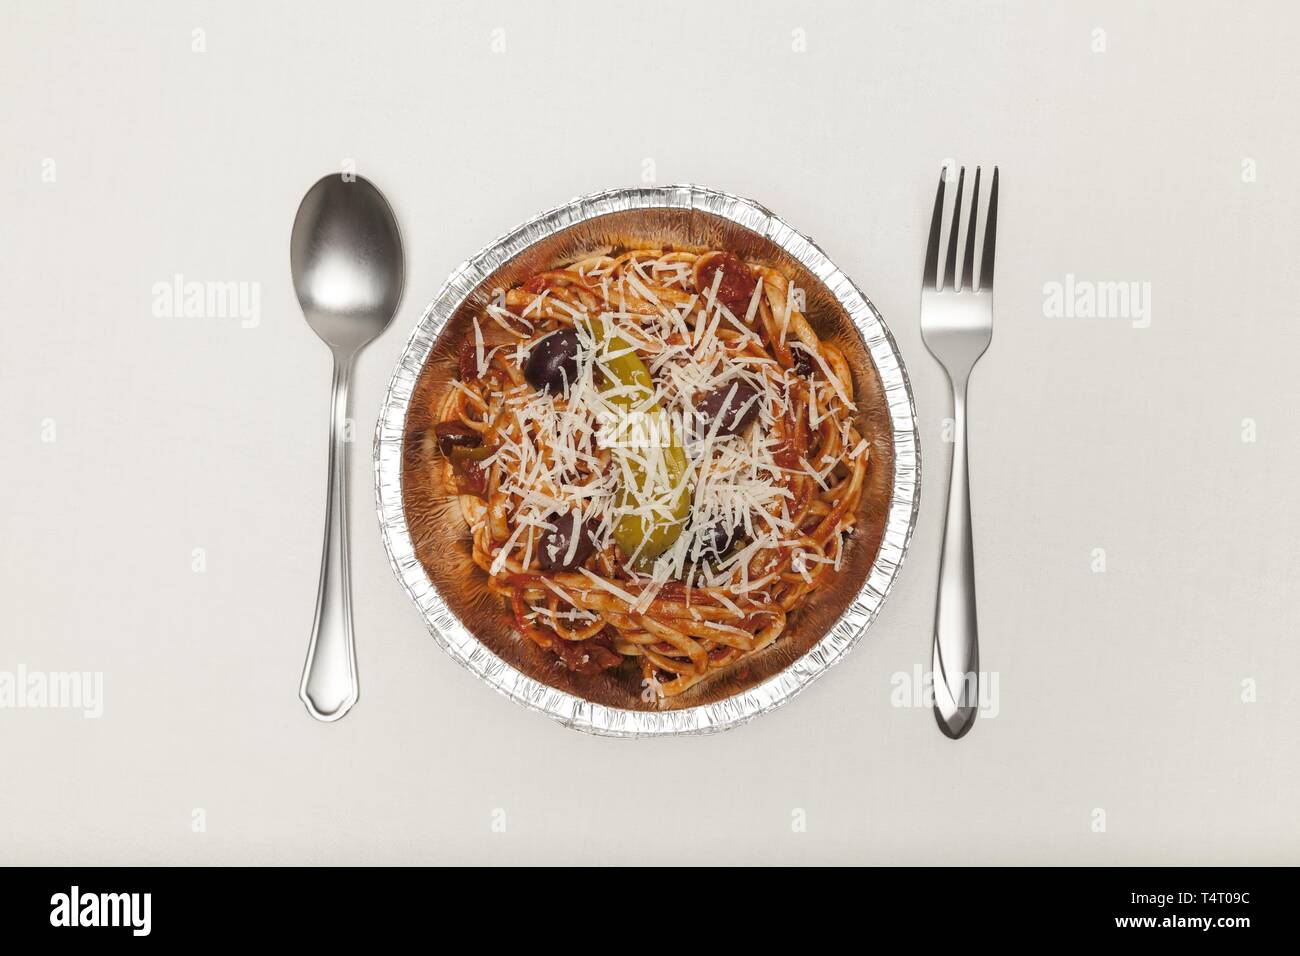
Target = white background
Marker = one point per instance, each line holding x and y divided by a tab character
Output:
1119	690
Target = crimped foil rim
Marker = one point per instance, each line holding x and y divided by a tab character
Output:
570	710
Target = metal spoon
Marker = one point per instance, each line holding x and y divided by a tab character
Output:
348	272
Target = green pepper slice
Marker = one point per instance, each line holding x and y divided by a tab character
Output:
462	454
655	535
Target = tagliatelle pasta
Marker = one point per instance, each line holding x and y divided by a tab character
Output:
657	457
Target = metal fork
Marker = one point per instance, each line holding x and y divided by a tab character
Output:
957	326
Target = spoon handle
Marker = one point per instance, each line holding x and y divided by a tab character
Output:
329	680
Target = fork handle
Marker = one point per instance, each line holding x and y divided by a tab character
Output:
956	635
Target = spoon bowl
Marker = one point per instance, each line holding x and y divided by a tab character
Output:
345	254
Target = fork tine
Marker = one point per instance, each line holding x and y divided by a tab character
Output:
930	279
968	266
950	271
990	236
